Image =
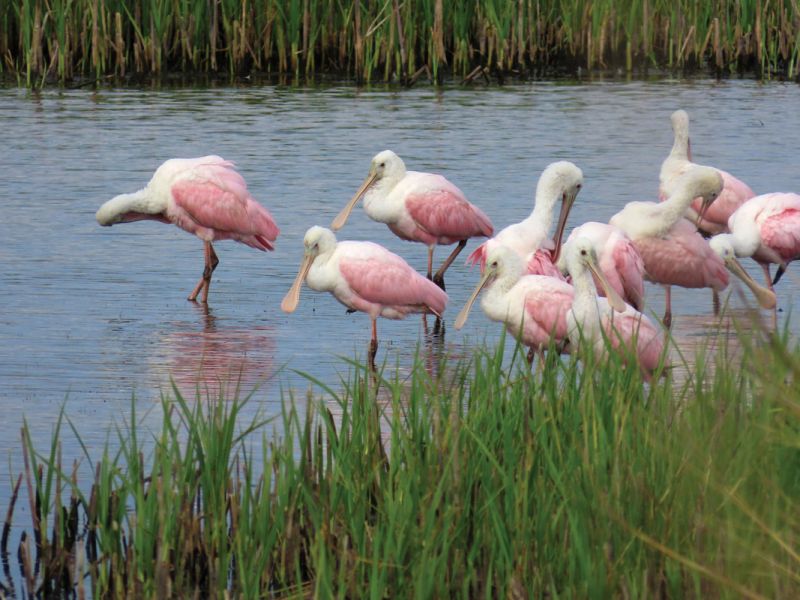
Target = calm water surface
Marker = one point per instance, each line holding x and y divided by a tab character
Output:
91	317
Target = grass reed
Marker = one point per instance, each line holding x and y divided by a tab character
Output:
488	480
389	40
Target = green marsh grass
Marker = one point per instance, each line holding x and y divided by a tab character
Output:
388	40
487	480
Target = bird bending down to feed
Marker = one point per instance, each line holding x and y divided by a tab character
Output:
606	321
533	307
363	276
766	228
530	238
734	192
418	207
674	253
618	260
205	196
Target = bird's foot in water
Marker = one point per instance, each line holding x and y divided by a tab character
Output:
439	280
350	311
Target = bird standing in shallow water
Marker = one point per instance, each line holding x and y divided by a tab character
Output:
418	207
766	228
606	321
733	194
365	277
530	237
674	253
533	307
205	196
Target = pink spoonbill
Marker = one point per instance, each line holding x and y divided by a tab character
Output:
418	207
205	196
734	192
674	253
365	277
766	228
607	321
559	181
533	307
618	260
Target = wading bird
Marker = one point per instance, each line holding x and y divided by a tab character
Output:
366	277
533	307
559	181
734	192
766	228
618	260
204	196
674	253
418	207
606	321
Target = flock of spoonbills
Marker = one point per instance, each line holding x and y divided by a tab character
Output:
590	291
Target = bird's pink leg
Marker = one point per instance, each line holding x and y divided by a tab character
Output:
667	306
438	279
373	345
205	281
715	302
765	268
430	262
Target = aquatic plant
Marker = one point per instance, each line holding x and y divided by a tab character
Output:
482	479
55	40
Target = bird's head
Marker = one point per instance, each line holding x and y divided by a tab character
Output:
560	180
384	165
317	240
722	245
501	263
580	256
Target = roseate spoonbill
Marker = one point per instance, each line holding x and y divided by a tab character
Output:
533	307
674	253
601	321
618	260
767	228
205	196
418	207
363	276
559	181
734	192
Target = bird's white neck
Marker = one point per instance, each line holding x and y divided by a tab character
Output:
378	202
681	148
584	303
141	202
548	192
674	208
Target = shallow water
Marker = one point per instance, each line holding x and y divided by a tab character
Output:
92	316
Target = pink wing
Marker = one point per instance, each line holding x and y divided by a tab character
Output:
217	199
391	283
779	224
624	328
540	262
546	308
446	215
682	257
478	257
628	271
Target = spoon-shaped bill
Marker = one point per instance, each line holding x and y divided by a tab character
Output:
766	298
342	217
614	299
462	316
292	298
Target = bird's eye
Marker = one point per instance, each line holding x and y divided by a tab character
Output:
494	264
383	164
579	186
583	252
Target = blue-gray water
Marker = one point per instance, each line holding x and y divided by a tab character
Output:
90	316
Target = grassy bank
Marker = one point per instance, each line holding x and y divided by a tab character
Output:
487	482
57	40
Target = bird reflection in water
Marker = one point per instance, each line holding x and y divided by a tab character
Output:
218	362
